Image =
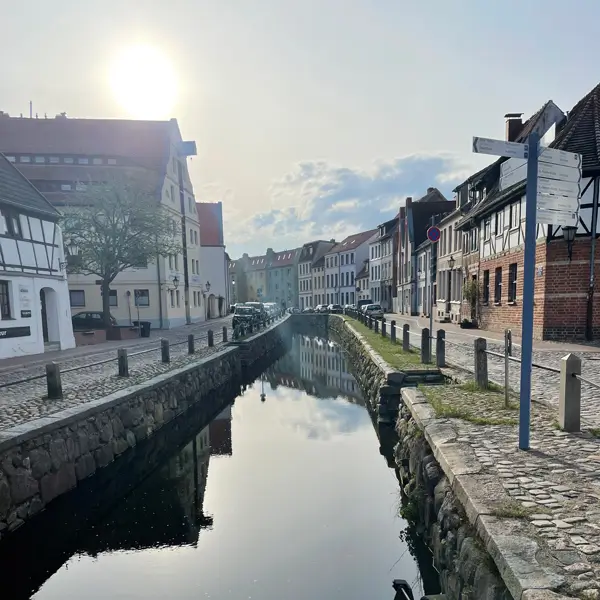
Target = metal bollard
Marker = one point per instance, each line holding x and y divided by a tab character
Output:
53	381
393	332
376	326
569	400
191	348
123	362
406	337
211	341
165	351
481	363
224	333
370	322
440	349
425	347
383	327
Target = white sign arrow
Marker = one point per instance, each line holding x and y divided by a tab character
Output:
552	202
500	147
561	188
557	217
559	157
511	177
550	171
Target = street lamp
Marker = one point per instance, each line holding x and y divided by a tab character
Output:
175	281
451	262
71	250
569	237
208	286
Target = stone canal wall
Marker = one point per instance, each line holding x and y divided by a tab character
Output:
467	570
44	458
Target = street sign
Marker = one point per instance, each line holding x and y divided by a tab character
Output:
433	233
556	217
509	178
552	202
500	147
561	188
560	157
562	173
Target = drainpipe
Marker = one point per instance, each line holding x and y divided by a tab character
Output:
160	302
589	317
186	277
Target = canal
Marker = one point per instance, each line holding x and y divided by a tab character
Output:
284	494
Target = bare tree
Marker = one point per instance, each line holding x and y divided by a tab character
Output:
118	225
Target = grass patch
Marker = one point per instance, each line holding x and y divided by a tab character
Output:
595	431
556	425
392	353
511	509
471	386
470	403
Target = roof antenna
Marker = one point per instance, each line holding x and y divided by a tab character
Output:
30	109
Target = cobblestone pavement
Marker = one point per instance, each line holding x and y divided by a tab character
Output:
545	383
82	383
557	484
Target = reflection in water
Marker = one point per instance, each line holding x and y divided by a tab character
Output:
304	508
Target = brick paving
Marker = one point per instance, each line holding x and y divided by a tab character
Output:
25	401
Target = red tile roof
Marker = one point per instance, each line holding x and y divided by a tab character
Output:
210	216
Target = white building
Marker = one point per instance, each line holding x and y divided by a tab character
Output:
363	291
34	296
310	256
341	264
424	279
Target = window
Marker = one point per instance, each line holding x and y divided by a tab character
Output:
195	237
512	282
112	161
486	286
40	159
112	298
170	261
172	294
77	298
498	223
487	229
97	161
178	297
54	160
10	159
498	285
172	193
24	159
514	215
65	187
352	258
4	300
80	187
142	297
193	267
176	258
13	224
82	161
68	160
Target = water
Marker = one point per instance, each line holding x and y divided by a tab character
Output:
283	498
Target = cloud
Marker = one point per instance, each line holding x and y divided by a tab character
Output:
319	200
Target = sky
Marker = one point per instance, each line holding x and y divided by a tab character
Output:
312	119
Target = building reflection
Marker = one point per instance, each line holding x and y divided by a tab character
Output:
220	434
317	366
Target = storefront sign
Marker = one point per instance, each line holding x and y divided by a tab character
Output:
26	314
24	297
14	332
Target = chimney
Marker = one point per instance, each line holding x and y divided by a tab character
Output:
332	241
514	125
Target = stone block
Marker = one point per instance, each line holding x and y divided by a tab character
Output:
470	557
119	446
106	433
55	484
118	427
83	442
85	466
22	486
5	501
140	432
58	453
159	414
130	437
104	455
40	462
35	507
93	441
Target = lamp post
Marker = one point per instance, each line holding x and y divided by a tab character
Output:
71	251
569	237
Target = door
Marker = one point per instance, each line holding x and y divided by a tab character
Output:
448	292
44	315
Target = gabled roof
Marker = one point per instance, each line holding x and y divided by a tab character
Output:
284	259
352	241
420	213
17	192
256	263
581	131
312	251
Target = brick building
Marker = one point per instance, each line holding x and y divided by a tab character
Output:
493	229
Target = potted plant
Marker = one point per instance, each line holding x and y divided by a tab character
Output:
471	295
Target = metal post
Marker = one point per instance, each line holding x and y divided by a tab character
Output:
191	347
370	322
440	349
406	337
431	293
425	346
481	363
53	381
165	353
507	354
224	333
376	326
569	401
123	362
383	327
211	341
393	332
528	291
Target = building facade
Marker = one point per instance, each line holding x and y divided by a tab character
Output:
34	297
318	278
282	277
61	156
310	255
363	288
213	274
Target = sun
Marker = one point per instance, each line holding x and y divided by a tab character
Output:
144	82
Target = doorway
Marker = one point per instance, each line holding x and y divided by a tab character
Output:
50	318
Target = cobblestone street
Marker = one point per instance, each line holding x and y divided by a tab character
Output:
82	383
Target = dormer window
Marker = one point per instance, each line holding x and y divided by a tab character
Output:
13	224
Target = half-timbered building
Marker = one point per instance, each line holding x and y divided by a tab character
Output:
494	231
35	313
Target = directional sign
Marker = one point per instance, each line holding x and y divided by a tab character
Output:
561	188
433	234
509	178
559	157
556	217
562	203
500	147
550	171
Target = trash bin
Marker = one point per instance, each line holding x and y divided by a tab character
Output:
144	328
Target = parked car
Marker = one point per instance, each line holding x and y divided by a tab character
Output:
260	307
245	315
321	308
308	309
85	321
374	310
335	309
